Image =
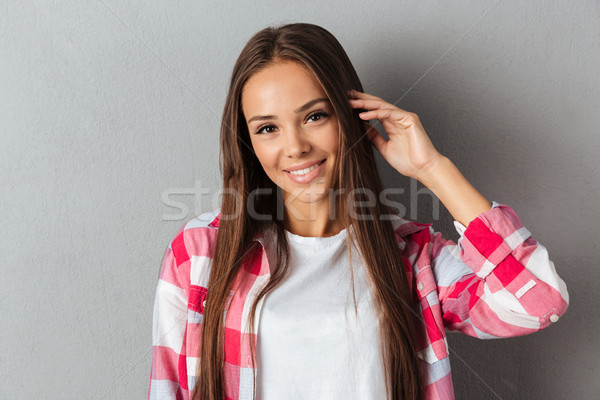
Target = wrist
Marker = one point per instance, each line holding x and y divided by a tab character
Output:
461	199
432	172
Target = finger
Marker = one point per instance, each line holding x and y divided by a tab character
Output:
376	114
370	104
355	94
375	137
396	114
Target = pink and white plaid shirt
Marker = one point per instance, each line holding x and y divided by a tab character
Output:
497	281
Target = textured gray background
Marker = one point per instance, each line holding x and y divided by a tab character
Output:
107	107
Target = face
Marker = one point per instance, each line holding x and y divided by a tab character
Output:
293	129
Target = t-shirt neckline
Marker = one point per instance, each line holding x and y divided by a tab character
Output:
316	240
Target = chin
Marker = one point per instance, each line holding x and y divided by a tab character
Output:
313	197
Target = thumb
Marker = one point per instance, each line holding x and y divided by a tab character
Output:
375	137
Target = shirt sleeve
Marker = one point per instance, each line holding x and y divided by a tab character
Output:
168	375
497	281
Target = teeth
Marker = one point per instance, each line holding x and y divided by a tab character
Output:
305	170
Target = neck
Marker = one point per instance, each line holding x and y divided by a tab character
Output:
312	219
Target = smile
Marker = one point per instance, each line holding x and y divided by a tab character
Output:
306	170
306	175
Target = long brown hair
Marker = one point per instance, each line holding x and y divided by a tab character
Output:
317	49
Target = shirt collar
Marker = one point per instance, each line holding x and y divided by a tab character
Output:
406	228
215	224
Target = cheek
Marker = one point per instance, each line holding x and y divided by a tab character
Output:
332	143
266	157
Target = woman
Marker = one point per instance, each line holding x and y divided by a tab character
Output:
294	157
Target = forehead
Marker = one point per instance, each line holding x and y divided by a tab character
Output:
280	86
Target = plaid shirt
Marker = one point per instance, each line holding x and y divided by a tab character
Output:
496	281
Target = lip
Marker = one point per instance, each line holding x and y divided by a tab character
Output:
309	177
302	166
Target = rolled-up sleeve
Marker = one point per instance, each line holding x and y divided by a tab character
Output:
502	282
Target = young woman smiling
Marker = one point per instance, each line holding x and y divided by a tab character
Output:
253	297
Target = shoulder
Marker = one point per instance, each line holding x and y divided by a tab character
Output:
196	237
191	251
207	220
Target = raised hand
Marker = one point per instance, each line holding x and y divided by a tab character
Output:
409	149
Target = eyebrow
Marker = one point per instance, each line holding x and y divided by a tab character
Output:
298	110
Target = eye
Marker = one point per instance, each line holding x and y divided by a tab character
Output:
262	128
317	115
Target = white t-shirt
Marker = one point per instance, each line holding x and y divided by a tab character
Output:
310	343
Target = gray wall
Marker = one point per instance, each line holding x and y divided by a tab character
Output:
108	107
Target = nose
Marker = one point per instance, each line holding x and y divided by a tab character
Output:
296	144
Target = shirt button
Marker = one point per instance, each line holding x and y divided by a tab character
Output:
204	303
554	318
420	286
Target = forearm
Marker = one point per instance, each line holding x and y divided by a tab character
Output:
461	199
